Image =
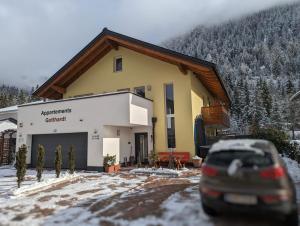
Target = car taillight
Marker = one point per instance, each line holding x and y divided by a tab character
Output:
209	171
271	199
273	173
210	192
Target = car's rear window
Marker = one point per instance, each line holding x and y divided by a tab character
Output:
248	158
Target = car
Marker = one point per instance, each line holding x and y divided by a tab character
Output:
247	176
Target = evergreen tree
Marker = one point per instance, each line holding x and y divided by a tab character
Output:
276	118
290	89
21	97
21	164
260	53
246	116
259	114
71	155
58	160
3	100
266	98
40	162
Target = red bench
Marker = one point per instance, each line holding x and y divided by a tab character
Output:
184	157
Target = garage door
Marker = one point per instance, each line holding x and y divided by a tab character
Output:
50	141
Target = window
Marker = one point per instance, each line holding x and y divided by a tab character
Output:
249	159
170	118
118	64
140	91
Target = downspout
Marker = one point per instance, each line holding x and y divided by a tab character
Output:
154	120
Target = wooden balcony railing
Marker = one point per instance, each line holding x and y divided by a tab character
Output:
216	116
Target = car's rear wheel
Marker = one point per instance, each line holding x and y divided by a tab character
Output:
292	219
209	211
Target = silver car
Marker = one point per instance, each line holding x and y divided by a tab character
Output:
247	176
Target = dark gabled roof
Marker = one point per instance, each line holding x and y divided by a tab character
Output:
10	120
206	71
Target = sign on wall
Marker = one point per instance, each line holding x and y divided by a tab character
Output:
57	115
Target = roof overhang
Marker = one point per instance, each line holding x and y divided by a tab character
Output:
107	40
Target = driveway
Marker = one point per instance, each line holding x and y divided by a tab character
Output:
114	199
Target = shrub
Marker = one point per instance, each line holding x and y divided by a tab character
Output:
153	157
277	137
109	160
21	164
71	155
58	160
40	162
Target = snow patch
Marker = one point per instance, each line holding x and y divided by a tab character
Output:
234	166
159	171
238	144
196	157
293	169
7	125
45	183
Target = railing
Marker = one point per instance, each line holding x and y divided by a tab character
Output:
216	116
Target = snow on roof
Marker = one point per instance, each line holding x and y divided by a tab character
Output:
238	144
7	109
7	125
15	107
35	102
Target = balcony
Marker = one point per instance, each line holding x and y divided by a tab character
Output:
215	116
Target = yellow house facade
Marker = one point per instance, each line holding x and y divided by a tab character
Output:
179	86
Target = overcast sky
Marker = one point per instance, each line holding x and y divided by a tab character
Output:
37	37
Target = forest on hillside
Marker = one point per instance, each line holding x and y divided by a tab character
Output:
11	95
258	57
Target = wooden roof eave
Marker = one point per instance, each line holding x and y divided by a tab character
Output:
106	41
78	68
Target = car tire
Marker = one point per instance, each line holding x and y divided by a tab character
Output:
292	219
209	211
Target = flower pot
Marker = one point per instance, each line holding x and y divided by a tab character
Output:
197	162
117	167
110	169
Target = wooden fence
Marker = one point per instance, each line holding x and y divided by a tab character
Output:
7	147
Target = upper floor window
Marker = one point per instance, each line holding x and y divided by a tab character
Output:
169	99
118	64
140	91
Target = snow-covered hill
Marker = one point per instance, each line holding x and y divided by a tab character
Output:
258	57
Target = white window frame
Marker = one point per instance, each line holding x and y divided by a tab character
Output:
115	63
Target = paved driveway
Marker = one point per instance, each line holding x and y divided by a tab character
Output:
116	199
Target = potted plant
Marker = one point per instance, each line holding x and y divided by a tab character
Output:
197	161
109	163
117	167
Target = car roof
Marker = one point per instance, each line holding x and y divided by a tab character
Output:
255	145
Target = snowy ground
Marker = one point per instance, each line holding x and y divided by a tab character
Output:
125	198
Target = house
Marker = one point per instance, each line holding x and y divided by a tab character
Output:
123	96
9	113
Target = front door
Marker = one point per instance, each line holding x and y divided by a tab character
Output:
141	147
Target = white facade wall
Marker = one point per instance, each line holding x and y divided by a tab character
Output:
110	120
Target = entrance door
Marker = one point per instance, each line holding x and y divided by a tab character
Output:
141	147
